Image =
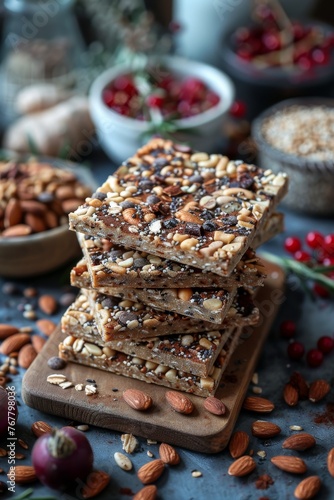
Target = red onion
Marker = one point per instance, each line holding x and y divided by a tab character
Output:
62	457
8	410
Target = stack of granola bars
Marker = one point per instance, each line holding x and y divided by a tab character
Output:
168	275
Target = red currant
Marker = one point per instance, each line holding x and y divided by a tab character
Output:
244	53
212	98
302	256
155	101
320	56
298	31
108	97
242	34
328	261
238	109
296	350
329	243
314	358
314	239
305	62
320	290
292	244
271	41
325	344
192	89
288	329
125	83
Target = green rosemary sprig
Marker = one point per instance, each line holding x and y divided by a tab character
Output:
302	271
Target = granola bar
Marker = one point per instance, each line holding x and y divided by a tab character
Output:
194	353
112	265
110	360
119	319
186	206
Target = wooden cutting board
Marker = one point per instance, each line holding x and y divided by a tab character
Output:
201	431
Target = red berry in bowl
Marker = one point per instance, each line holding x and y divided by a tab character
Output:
329	244
325	344
314	239
302	256
108	97
292	244
155	101
314	358
125	83
320	56
296	350
271	41
288	329
192	90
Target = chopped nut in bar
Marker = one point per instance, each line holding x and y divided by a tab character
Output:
192	208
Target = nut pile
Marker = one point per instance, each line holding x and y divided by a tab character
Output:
35	197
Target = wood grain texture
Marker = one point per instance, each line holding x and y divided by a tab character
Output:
200	431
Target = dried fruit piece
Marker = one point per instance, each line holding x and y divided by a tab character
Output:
179	402
47	304
290	395
260	405
242	466
330	462
122	461
24	474
39	428
214	405
265	430
299	442
294	465
308	488
168	454
138	400
151	471
96	482
14	343
46	326
26	356
318	390
147	493
238	444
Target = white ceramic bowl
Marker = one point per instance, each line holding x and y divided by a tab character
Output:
43	252
121	136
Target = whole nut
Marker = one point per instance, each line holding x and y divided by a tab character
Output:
138	400
46	326
27	354
238	444
151	471
168	454
39	428
24	474
265	430
47	304
179	402
330	462
308	488
214	405
14	343
294	465
96	482
147	493
257	404
318	390
7	331
301	441
242	466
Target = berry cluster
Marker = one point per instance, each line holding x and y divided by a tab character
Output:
134	95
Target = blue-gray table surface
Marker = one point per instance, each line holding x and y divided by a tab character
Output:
314	318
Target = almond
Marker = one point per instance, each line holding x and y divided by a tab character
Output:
298	381
96	482
47	304
13	213
26	356
330	462
265	430
138	400
24	474
46	326
214	405
7	331
238	444
14	343
16	231
36	222
308	488
299	442
147	493
39	428
290	395
294	465
260	405
180	402
151	471
168	454
38	342
318	390
242	466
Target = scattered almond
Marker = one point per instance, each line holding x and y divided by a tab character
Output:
38	342
294	465
138	400
298	381
24	474
318	390
290	395
330	462
27	355
147	493
299	442
23	444
151	471
179	402
214	405
14	343
46	326
239	443
265	430
260	405
168	454
3	452
96	482
39	428
308	488
242	466
47	304
7	331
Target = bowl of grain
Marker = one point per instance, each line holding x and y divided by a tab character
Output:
297	136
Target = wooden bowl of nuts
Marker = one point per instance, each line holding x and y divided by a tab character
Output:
296	136
35	197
